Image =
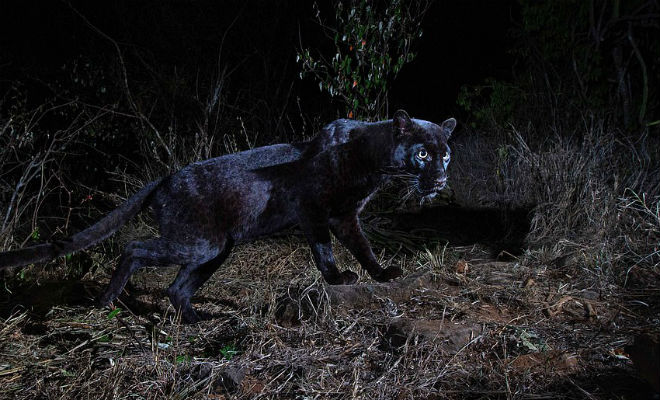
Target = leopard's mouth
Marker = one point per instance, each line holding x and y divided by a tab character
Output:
440	184
433	190
427	195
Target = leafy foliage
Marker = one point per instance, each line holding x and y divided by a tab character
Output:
114	313
229	351
372	42
493	101
577	57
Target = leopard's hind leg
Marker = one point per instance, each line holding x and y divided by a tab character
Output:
191	277
156	252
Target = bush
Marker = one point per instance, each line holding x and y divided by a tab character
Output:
372	43
594	193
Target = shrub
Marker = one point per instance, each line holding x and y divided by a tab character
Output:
372	42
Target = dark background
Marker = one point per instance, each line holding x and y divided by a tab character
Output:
120	92
463	43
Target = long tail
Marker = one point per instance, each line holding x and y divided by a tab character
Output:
81	240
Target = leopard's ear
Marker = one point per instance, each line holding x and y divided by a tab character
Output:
447	127
402	122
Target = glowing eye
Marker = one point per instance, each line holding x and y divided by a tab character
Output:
422	154
446	157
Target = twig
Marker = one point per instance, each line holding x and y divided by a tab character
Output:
129	96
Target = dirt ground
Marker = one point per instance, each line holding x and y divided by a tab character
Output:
459	324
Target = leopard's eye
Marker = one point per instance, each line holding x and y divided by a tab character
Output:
422	154
446	157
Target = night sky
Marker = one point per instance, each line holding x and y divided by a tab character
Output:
464	42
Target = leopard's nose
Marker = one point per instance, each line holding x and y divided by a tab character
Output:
441	182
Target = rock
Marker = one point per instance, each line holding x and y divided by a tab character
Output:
287	312
450	336
590	294
230	379
252	386
364	295
553	361
202	371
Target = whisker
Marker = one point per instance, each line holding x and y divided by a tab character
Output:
408	194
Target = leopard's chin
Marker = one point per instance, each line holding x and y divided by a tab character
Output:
427	196
427	199
432	192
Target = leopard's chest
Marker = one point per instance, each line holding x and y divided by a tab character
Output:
352	198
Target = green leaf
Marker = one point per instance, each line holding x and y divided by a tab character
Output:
228	352
182	358
114	313
67	373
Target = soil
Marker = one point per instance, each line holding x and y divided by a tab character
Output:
459	324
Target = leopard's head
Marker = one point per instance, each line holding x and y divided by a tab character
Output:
421	152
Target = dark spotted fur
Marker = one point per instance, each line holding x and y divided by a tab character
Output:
210	206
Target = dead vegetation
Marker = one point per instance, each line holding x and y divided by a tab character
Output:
521	329
563	318
464	322
552	322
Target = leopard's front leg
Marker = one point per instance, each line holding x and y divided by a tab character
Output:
314	224
348	231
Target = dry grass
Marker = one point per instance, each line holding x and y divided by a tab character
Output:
594	190
552	323
502	330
